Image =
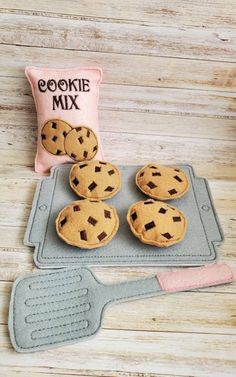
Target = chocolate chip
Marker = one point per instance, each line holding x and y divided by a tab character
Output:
178	178
153	167
82	166
150	225
76	208
141	174
62	222
75	181
43	137
97	169
85	154
134	216
176	218
101	236
162	210
167	235
92	186
81	140
148	202
107	214
156	174
151	185
112	171
88	133
54	138
64	133
109	189
172	192
101	162
83	235
73	155
54	125
177	170
78	129
95	148
92	220
58	151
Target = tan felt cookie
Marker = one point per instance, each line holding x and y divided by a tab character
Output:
53	136
162	182
81	144
157	223
87	223
95	179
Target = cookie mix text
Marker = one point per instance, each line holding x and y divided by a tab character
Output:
64	101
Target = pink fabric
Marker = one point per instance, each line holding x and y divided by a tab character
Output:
197	277
87	101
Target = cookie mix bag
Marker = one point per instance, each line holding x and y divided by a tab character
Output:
66	102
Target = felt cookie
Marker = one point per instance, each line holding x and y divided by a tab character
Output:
87	224
68	94
157	223
81	143
53	136
95	179
162	182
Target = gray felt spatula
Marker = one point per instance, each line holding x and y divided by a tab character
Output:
66	306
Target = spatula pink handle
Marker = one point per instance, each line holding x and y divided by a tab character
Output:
197	277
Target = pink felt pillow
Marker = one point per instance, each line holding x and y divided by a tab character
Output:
70	96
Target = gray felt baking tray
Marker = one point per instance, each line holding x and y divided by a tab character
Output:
53	193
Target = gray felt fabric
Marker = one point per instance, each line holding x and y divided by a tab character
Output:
55	308
53	193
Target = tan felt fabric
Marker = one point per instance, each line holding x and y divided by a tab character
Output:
87	223
157	223
161	182
53	136
95	179
81	144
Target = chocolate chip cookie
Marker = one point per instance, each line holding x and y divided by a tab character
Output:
53	136
87	224
95	179
162	182
81	144
157	223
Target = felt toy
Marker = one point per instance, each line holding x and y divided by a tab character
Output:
65	99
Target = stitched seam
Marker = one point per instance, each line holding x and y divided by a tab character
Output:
55	280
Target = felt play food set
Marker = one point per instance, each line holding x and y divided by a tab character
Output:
62	307
66	102
92	212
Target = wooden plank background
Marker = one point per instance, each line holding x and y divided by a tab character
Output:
168	95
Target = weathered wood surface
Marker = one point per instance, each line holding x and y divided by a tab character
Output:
168	94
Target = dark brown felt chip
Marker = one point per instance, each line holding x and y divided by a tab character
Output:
172	192
178	178
162	210
81	140
156	174
101	162
107	214
54	138
92	220
151	185
141	174
85	154
88	133
134	216
167	236
82	166
54	125
153	167
148	202
76	208
109	189
176	218
97	169
150	225
112	171
95	148
75	181
78	129
73	155
58	151
83	235
62	222
92	186
101	236
43	137
64	133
